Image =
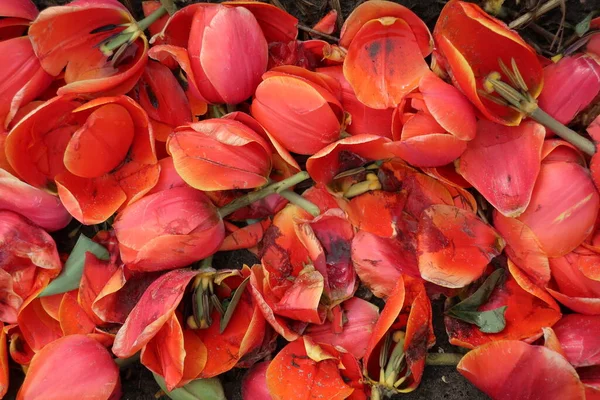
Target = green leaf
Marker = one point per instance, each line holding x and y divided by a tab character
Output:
482	294
584	26
70	276
235	299
491	321
199	389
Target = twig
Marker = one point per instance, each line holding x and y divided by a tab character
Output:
335	4
278	4
525	18
314	32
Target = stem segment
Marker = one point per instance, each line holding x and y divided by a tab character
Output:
127	35
300	201
443	359
565	133
251	197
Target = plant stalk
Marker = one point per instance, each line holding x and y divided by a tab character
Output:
125	37
300	201
260	194
565	133
443	359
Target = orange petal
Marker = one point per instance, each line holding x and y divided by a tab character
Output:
96	274
378	212
429	150
378	44
4	371
37	326
454	246
50	376
149	315
301	300
72	317
327	23
502	163
499	370
377	9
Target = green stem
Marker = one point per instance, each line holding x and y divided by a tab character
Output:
112	45
300	201
565	133
443	359
260	194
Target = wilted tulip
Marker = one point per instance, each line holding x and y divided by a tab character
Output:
469	62
68	37
395	357
15	17
23	77
208	31
168	229
310	115
63	370
378	35
220	154
570	86
432	127
99	155
305	369
40	207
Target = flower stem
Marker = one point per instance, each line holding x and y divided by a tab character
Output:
443	359
126	362
128	34
565	133
260	194
300	201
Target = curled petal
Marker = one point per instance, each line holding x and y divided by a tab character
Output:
429	150
150	314
576	334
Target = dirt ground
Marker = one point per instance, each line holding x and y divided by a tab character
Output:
438	382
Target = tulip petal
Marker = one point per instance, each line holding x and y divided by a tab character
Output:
276	24
499	370
149	315
378	212
62	370
430	150
301	301
454	246
576	334
502	163
563	207
378	44
72	317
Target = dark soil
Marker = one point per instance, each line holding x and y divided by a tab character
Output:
438	382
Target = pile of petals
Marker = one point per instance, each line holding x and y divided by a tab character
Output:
395	166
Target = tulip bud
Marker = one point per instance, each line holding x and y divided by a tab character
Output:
220	154
168	230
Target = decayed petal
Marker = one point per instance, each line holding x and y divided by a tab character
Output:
503	370
379	44
378	212
294	375
345	154
63	369
563	207
502	163
150	314
454	246
301	300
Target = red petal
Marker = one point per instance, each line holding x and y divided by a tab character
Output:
72	317
50	376
378	212
578	339
502	163
503	371
430	150
276	24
